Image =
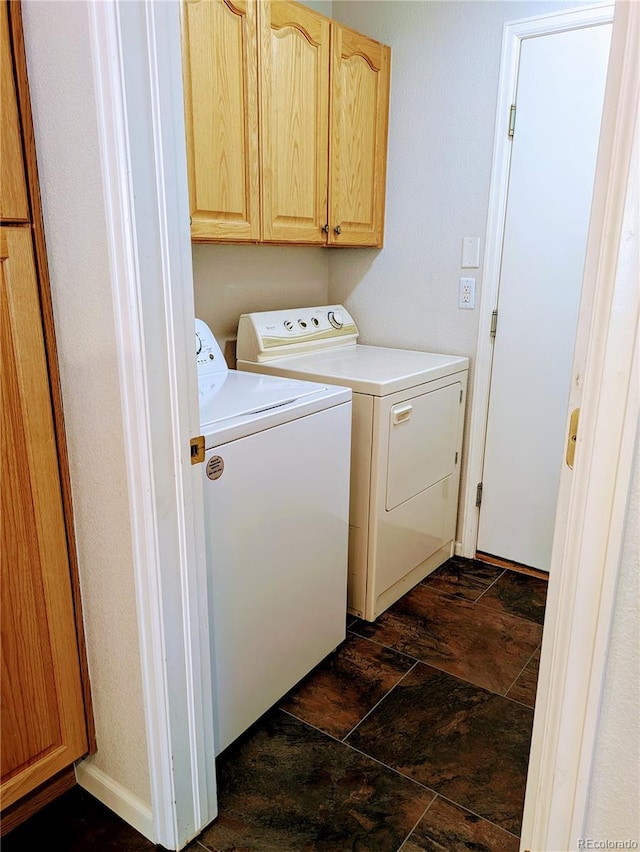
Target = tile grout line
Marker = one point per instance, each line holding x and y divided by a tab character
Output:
361	753
422	816
486	819
509	614
386	647
522	671
395	772
431	790
491	585
460	598
309	725
377	704
444	671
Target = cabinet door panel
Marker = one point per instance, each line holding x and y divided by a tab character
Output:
359	117
42	716
14	205
219	45
294	122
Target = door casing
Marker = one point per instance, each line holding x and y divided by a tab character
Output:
514	34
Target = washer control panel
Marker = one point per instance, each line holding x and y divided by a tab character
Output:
266	335
209	357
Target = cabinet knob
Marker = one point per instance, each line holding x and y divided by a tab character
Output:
337	230
325	229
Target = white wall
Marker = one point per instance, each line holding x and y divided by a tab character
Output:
445	64
231	280
64	113
325	7
614	794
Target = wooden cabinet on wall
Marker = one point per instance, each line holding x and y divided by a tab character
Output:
315	93
45	720
357	167
14	203
220	62
294	121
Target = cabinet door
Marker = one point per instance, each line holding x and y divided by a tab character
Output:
220	59
14	205
42	715
294	121
359	117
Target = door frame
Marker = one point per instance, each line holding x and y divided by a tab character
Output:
170	297
513	35
137	67
593	499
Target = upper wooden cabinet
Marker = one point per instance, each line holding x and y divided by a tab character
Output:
359	115
294	117
320	99
220	65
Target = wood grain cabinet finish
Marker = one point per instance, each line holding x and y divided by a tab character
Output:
45	716
220	67
320	100
42	716
14	203
294	117
359	116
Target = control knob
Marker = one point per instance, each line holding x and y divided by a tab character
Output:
335	318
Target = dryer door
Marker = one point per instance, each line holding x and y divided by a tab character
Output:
423	437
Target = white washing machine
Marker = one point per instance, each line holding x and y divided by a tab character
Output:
276	488
408	417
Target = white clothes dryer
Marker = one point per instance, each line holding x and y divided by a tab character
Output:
276	492
408	418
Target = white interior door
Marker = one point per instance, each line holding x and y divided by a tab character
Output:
560	92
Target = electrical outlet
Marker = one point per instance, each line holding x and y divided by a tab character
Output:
467	293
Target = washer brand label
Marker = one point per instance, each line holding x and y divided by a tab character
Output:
215	467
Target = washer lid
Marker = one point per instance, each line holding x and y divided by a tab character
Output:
375	370
223	396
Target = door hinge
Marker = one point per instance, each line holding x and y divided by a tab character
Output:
197	450
512	120
479	495
494	323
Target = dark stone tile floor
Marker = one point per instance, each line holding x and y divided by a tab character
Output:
488	647
414	735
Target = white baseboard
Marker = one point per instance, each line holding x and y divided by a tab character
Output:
116	797
457	548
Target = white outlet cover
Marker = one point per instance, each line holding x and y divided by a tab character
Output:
470	252
467	294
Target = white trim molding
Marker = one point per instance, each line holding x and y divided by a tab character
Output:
132	809
593	501
514	34
139	100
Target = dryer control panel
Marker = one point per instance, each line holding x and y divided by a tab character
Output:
265	335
